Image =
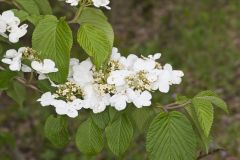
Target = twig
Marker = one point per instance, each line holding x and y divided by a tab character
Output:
23	81
178	106
12	2
16	4
175	105
170	105
210	153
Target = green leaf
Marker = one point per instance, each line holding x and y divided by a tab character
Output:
5	79
119	135
4	41
44	6
206	93
3	47
35	19
89	138
171	137
30	6
97	18
95	43
53	39
205	113
56	131
203	140
22	15
141	117
18	93
101	119
45	86
213	98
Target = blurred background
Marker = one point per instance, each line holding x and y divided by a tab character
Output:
200	37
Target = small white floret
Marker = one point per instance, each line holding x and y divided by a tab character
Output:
45	67
101	3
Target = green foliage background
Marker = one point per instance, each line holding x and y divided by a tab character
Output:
200	37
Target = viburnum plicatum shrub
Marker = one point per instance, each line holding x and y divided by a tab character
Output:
112	92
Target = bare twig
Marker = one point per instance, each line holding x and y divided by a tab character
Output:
172	106
12	2
176	106
210	153
25	83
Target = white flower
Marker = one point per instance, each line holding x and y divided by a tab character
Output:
73	62
93	100
82	73
129	83
10	23
116	56
47	99
131	59
102	103
26	69
3	26
144	65
176	75
17	32
118	78
64	108
139	99
167	77
10	20
101	3
156	56
14	59
73	2
119	101
45	67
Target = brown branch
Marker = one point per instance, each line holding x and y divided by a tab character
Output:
210	153
175	105
23	81
13	2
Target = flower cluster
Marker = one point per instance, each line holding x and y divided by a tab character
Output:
96	3
14	59
9	26
125	80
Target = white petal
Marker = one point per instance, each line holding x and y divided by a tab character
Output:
131	59
167	67
144	65
157	56
164	87
17	33
77	104
16	64
46	99
42	76
25	68
11	53
7	61
3	26
72	113
36	65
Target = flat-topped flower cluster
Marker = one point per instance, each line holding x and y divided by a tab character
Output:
125	80
9	26
122	81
